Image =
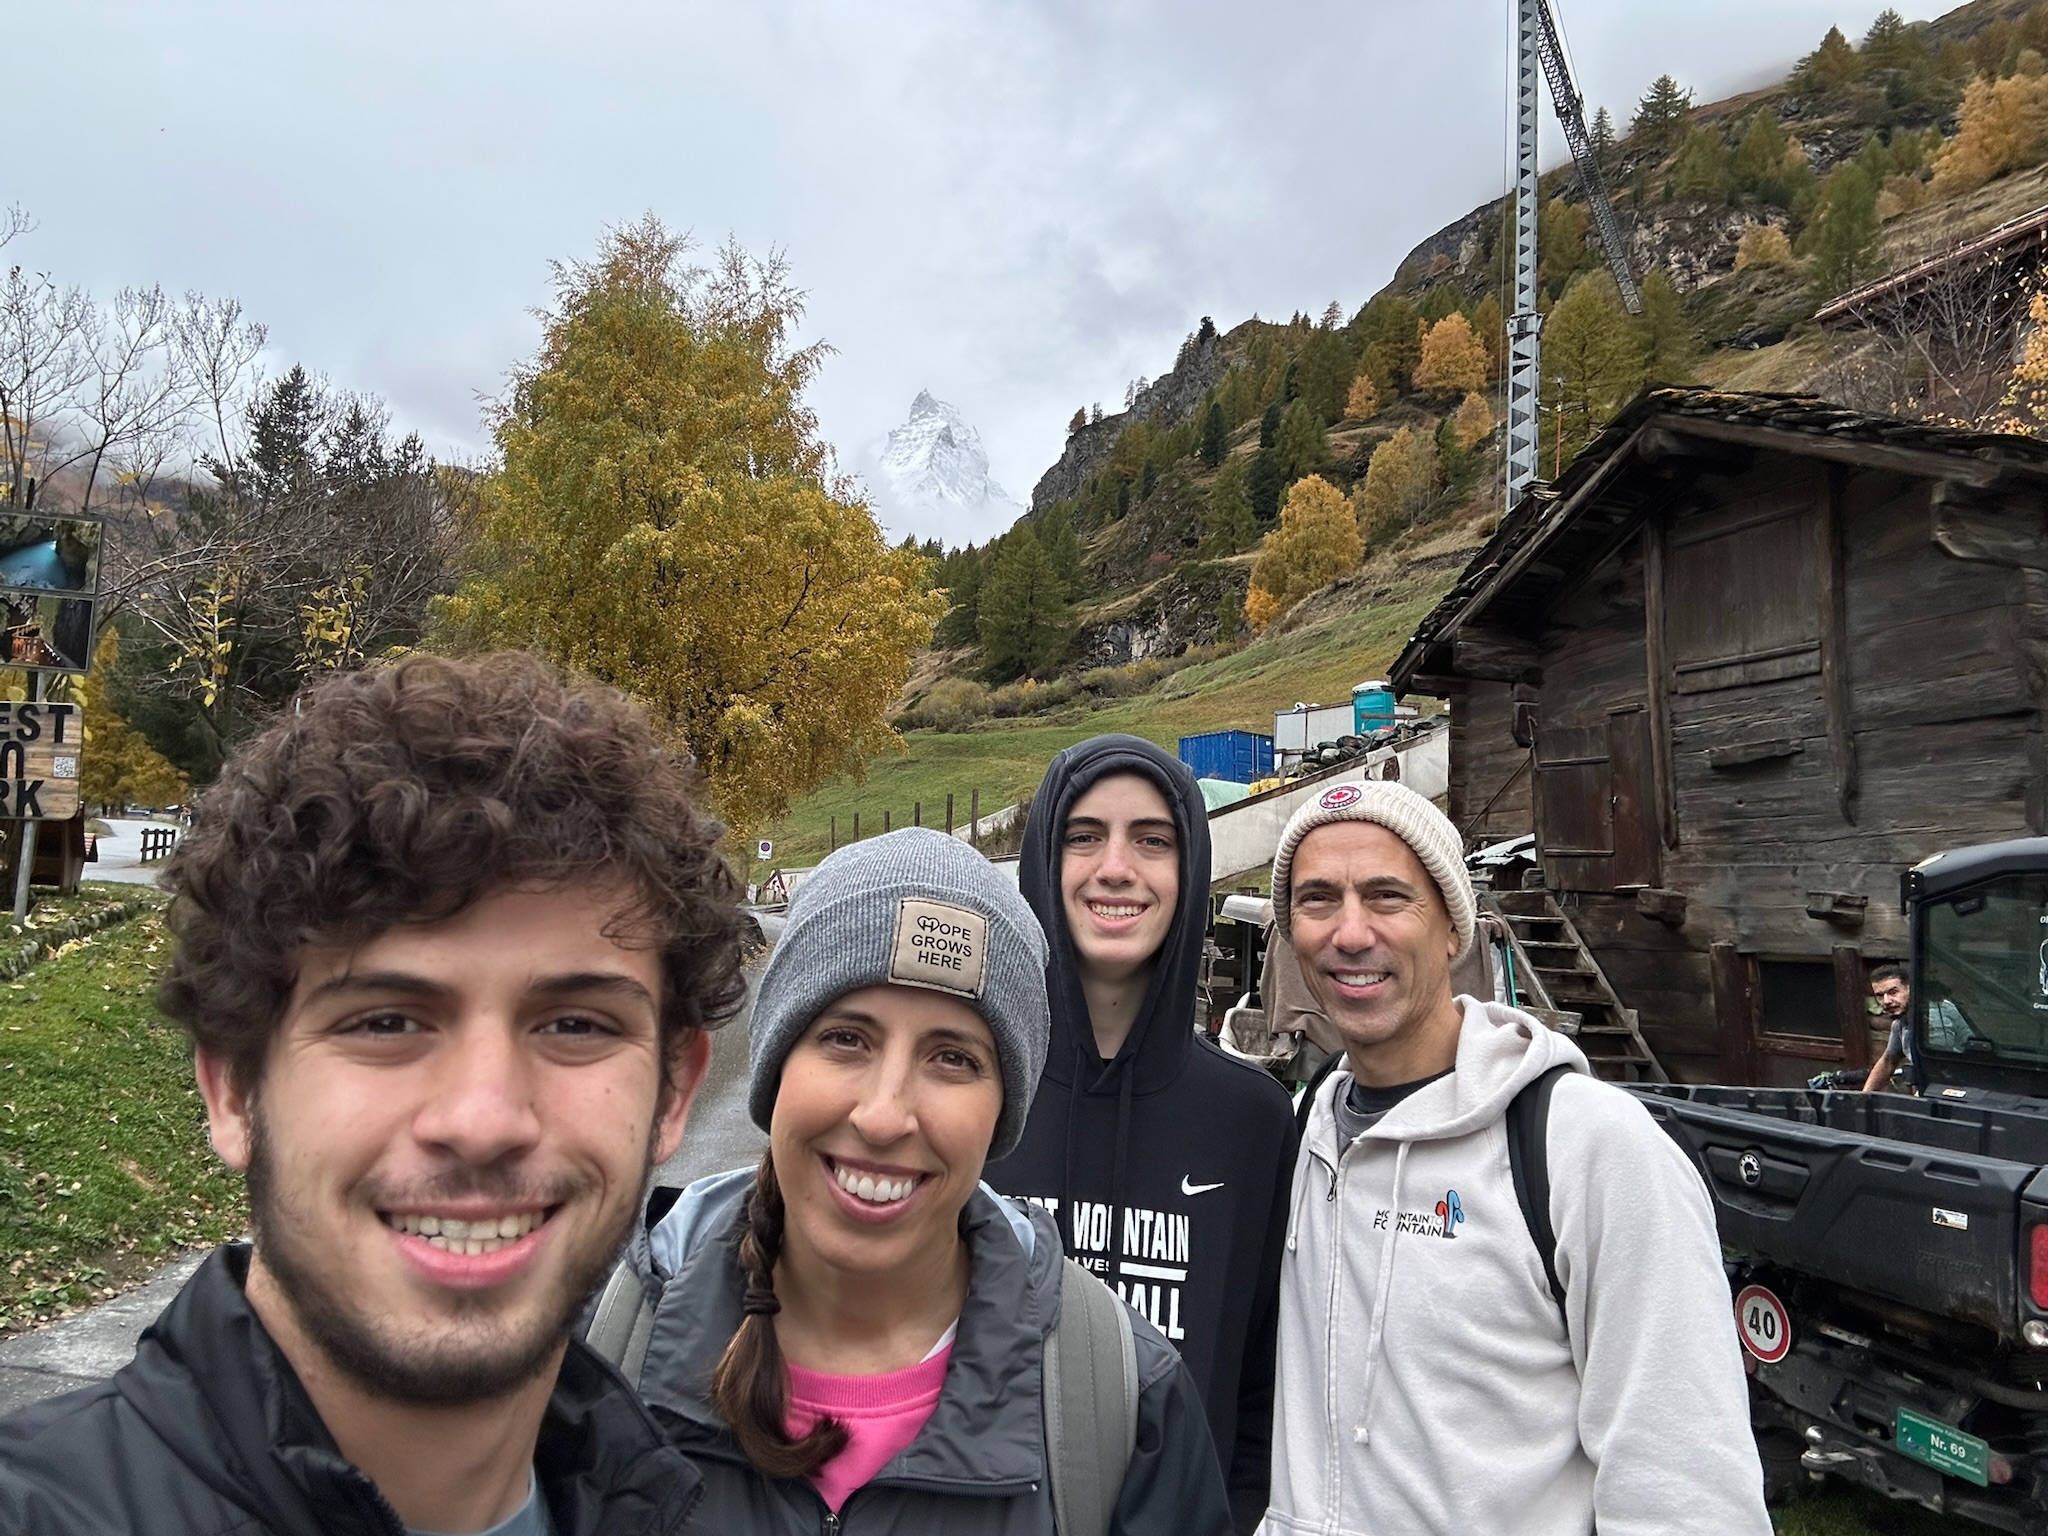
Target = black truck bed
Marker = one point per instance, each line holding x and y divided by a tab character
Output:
1917	1200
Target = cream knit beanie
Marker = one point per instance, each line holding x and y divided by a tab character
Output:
1420	825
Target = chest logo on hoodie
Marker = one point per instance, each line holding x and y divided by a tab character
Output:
1442	1222
941	946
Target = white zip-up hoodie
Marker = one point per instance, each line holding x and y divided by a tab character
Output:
1427	1382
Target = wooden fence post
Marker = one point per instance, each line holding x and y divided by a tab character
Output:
885	823
856	826
832	843
974	811
949	815
917	813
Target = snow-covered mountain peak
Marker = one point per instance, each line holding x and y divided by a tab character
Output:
932	474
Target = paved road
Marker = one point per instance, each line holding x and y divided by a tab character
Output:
98	1342
120	853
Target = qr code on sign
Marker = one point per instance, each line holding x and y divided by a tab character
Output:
63	767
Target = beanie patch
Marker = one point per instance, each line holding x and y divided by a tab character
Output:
941	946
1339	796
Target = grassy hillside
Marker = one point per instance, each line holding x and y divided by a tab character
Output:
1349	632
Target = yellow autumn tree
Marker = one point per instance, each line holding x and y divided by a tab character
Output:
1399	480
1473	422
1363	402
2025	406
118	766
1763	245
1317	541
664	516
2004	123
1453	358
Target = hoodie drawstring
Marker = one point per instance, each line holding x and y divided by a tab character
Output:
1120	1158
1069	1230
1362	1432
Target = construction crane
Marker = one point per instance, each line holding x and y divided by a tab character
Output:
1538	49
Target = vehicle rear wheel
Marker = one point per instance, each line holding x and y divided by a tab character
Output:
1779	1451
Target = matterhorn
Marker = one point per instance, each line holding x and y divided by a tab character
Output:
933	476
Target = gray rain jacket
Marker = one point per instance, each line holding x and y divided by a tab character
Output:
979	1464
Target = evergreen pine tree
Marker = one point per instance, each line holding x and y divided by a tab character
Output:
1232	525
1299	446
1023	620
1269	424
1669	348
1843	239
1263	483
1215	436
1660	117
1601	137
1592	364
1062	546
1829	67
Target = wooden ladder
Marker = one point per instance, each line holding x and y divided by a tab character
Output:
1557	979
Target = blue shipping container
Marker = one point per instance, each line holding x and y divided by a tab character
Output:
1239	756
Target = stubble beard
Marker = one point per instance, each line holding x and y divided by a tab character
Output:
470	1357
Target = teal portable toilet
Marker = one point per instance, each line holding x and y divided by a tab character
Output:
1372	707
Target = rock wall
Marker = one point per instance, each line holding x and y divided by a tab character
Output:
1181	609
1168	400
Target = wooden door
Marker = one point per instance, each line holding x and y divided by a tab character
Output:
1595	805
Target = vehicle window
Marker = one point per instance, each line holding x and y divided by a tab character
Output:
1983	983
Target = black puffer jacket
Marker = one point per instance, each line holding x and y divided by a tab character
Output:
208	1432
979	1463
1167	1168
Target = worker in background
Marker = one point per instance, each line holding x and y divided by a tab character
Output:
1436	1373
1164	1162
1946	1030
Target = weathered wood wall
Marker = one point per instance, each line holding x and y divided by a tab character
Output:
1837	695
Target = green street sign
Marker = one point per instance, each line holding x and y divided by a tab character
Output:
1944	1448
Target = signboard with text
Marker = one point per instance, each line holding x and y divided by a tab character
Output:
40	745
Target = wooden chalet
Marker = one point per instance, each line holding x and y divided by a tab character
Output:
1750	658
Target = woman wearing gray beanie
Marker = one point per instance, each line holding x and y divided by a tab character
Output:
851	1336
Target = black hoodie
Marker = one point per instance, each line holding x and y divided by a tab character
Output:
207	1432
1168	1167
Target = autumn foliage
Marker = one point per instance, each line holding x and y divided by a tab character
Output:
1363	402
664	516
1453	358
2003	125
1317	541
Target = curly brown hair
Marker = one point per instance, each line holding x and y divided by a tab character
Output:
403	794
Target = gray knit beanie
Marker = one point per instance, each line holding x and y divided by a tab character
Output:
915	908
1420	825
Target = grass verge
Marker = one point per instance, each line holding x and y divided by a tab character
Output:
1837	1509
105	1169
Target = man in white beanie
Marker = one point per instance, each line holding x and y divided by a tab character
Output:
1436	1375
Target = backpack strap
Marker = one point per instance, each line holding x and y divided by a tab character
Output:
1090	1384
1528	1126
623	1322
1302	1109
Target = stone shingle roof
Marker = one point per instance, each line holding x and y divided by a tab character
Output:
1585	514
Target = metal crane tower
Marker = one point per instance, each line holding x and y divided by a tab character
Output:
1538	49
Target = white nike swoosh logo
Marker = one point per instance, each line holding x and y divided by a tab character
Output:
1188	1188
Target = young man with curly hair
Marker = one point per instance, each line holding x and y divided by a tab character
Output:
449	935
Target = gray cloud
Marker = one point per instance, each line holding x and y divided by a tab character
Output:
1020	206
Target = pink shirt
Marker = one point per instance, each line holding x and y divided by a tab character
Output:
882	1415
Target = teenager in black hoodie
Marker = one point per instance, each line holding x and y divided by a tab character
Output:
1165	1162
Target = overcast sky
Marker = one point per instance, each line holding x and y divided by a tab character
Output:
1018	204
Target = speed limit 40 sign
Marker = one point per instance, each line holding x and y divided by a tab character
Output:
1762	1321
